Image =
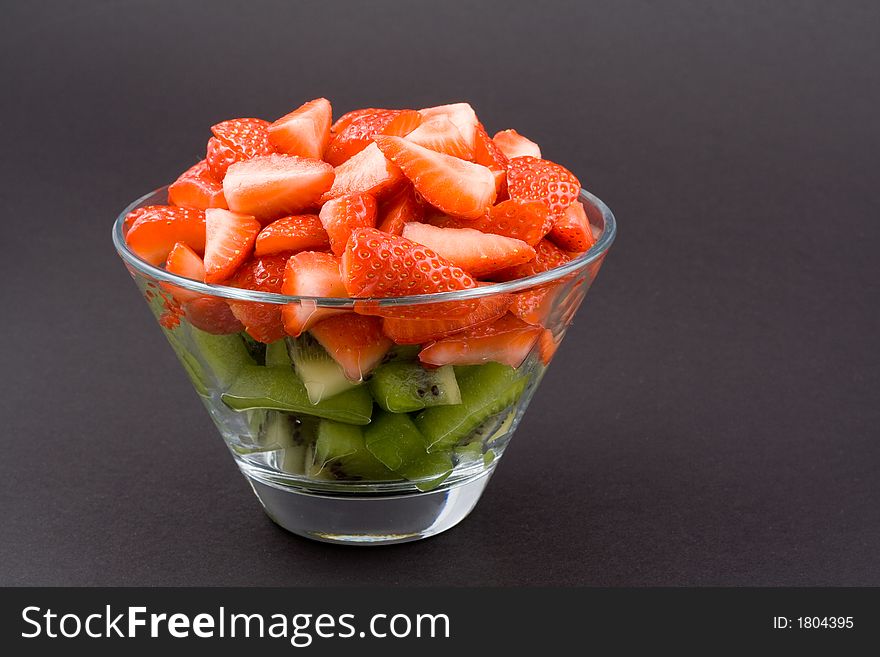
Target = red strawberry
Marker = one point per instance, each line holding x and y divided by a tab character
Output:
477	253
345	120
273	185
571	229
368	172
234	141
533	306
361	130
452	185
533	179
197	188
262	321
155	229
462	115
404	206
528	221
547	256
547	346
440	134
207	313
513	144
299	232
305	131
507	340
354	341
340	216
489	155
413	330
310	274
376	264
229	242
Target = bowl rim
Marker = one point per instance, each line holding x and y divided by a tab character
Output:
597	251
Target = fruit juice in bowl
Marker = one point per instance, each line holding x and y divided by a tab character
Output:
366	307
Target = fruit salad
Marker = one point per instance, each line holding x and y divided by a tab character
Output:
370	299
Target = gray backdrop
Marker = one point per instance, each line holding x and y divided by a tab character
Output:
712	417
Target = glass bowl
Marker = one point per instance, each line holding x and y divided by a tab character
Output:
405	453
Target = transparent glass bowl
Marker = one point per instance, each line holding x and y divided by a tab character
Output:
347	470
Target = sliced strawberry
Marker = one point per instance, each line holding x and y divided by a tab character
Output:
340	216
229	242
274	185
479	254
262	321
376	264
533	306
528	221
404	206
155	229
462	115
354	341
533	179
361	130
547	346
414	330
547	256
507	340
197	188
298	232
310	274
513	144
207	313
452	185
571	229
368	172
345	120
234	141
305	131
440	134
490	156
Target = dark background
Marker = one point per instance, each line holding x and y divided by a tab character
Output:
712	417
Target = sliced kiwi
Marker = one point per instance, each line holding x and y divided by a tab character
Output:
395	441
224	355
280	389
340	450
191	365
402	387
256	348
276	354
402	352
485	391
322	375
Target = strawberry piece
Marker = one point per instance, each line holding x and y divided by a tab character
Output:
508	340
440	134
462	115
415	330
340	216
305	131
229	242
361	130
345	120
534	306
197	188
298	232
368	172
376	264
571	229
547	346
490	156
533	179
479	254
207	313
547	256
452	185
404	206
513	144
234	141
310	274
274	185
155	229
528	221
354	341
262	321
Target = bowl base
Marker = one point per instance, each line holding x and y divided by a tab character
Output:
369	520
